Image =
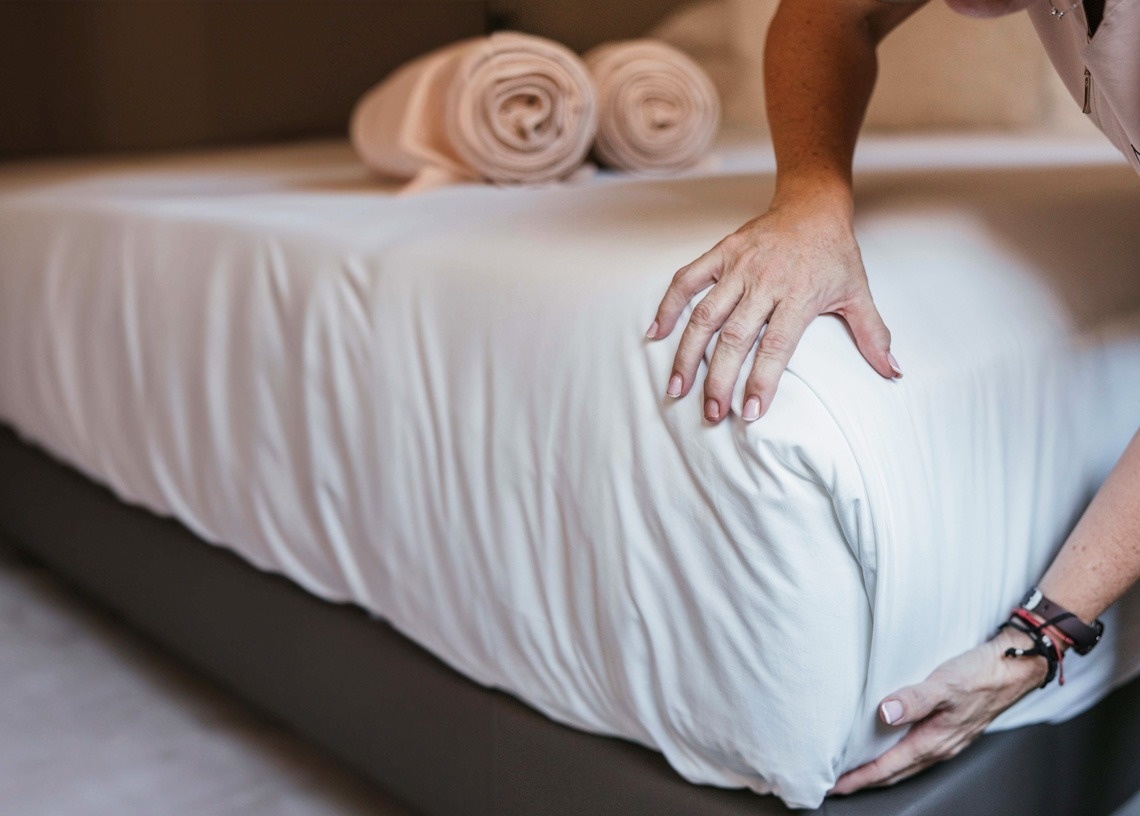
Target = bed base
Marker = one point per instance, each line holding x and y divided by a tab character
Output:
437	741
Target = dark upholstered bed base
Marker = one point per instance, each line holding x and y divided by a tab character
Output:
441	743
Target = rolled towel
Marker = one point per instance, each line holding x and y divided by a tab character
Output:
659	109
508	108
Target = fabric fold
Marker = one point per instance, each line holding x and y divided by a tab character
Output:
659	111
509	109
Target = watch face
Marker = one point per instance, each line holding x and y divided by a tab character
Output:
1032	599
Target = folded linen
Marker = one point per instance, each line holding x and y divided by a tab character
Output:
508	108
659	111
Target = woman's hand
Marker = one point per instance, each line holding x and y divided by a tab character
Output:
949	709
795	262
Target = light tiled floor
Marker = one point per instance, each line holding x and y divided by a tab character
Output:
93	722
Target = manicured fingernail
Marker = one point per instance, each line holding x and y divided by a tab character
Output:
894	364
651	332
891	711
674	389
712	409
751	409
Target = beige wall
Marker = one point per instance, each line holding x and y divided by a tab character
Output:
580	23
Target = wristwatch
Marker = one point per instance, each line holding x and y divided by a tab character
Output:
1082	635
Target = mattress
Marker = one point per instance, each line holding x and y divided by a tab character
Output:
442	408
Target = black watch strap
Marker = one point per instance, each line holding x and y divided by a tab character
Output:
1083	636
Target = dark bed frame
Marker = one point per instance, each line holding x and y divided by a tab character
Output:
96	75
437	741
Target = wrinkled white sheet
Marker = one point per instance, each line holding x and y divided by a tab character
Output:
443	409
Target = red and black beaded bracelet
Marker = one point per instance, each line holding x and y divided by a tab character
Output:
1043	645
1034	616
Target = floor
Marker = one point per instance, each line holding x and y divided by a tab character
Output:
94	721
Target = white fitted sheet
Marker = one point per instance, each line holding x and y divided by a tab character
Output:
442	408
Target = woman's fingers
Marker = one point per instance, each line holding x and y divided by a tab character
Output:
915	752
913	703
919	749
685	284
785	328
708	316
737	337
871	334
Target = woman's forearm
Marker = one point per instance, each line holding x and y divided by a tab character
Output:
1101	558
819	70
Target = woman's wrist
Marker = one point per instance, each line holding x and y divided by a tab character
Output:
1056	635
1026	672
1085	609
824	191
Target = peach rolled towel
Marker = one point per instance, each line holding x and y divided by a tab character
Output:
659	109
508	108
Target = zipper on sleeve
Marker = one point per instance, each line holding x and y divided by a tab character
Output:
1087	106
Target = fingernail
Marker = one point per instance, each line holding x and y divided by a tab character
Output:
674	389
712	409
894	364
751	409
891	711
652	330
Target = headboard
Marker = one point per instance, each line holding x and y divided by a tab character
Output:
99	75
91	75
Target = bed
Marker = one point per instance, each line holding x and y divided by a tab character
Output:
440	410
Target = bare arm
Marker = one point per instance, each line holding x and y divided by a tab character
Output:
799	259
1097	564
1101	559
819	71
